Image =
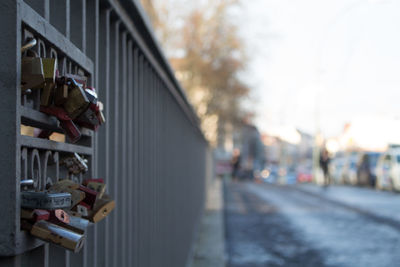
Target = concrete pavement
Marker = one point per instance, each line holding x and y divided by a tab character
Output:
209	248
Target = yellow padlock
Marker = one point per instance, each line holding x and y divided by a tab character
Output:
49	71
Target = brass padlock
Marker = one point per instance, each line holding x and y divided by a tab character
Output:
69	186
75	224
64	184
49	69
58	235
32	75
61	94
77	101
102	208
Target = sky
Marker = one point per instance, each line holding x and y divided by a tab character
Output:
318	64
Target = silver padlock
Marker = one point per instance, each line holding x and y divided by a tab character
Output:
44	200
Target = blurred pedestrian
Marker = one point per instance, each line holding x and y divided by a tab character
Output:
235	164
324	164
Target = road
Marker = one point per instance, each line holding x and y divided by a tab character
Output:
306	225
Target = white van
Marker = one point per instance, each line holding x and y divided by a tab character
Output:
388	170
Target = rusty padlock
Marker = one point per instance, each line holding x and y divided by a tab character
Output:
75	164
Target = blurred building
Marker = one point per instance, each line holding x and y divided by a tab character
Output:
288	152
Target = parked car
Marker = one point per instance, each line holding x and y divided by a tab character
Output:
366	172
388	170
304	172
349	172
291	177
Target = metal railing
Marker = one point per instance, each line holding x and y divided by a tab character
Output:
150	152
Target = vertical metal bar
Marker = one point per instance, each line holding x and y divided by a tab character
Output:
68	19
154	169
146	150
59	17
47	9
58	256
116	159
141	177
124	165
146	187
77	27
135	236
157	170
40	6
90	26
10	96
96	139
104	132
150	167
131	136
84	26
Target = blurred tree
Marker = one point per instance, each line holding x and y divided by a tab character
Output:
207	53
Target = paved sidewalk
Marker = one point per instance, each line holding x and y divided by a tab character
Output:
209	249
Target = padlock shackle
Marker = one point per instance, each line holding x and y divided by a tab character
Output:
30	43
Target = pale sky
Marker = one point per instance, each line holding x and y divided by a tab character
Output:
343	54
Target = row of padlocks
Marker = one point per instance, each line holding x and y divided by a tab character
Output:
61	212
68	97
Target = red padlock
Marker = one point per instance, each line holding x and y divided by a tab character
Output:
35	215
90	196
96	180
66	123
